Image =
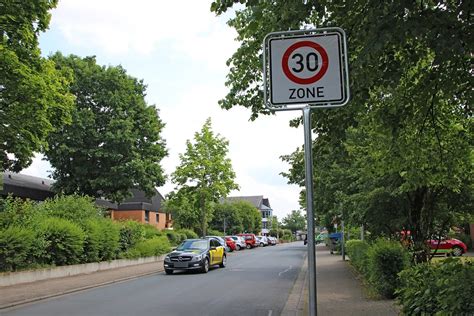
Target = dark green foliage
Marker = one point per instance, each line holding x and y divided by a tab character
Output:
385	259
75	208
64	241
110	240
114	142
34	97
15	248
172	236
214	232
17	212
92	242
442	288
294	221
229	213
131	232
357	252
190	234
150	247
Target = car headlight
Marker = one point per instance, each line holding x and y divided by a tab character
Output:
167	258
198	257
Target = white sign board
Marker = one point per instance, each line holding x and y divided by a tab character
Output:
307	69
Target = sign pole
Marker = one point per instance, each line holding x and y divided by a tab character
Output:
313	310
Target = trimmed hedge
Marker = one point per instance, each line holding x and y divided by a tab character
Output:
385	259
131	233
110	240
357	252
190	234
442	288
175	237
92	241
15	248
64	241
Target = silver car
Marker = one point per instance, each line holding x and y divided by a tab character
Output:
239	242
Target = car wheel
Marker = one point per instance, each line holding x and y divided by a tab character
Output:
261	244
168	271
249	246
205	267
457	251
224	262
238	247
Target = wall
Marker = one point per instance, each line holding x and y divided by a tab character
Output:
136	215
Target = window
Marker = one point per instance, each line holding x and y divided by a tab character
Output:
147	216
215	243
264	225
157	217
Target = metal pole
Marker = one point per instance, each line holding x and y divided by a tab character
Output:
308	158
343	248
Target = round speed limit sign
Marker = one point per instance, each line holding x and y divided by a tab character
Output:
308	69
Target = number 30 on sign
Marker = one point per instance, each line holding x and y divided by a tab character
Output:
307	68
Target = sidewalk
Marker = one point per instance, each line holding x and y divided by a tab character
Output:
29	292
339	292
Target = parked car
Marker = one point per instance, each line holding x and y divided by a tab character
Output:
320	238
196	254
222	242
230	243
239	242
272	240
250	240
262	241
452	246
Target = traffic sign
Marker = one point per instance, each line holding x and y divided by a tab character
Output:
306	67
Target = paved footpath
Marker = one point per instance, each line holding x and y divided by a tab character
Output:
339	292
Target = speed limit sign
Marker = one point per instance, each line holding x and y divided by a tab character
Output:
306	67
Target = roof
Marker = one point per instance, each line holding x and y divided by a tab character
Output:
255	200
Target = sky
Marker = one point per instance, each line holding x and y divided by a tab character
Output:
179	49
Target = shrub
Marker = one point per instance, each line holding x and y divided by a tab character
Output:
190	234
150	247
214	232
443	288
65	241
357	252
172	236
15	248
151	231
131	233
75	208
385	259
92	241
110	240
17	212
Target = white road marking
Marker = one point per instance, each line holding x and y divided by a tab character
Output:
284	271
270	312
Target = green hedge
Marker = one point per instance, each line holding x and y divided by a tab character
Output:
151	247
357	252
131	233
443	288
92	241
110	240
385	259
64	241
15	248
175	237
151	231
190	234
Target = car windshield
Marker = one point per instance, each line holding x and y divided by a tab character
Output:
234	238
193	245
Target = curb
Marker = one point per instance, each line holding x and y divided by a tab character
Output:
84	288
296	303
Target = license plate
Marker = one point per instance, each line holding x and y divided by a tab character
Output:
180	264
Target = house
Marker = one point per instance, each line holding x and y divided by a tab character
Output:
138	207
262	204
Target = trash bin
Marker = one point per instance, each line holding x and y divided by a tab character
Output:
334	241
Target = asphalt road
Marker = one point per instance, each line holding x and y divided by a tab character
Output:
255	282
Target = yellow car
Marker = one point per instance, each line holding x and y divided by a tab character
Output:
196	254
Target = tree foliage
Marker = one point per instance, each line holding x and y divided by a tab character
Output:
399	156
114	142
294	221
34	97
203	176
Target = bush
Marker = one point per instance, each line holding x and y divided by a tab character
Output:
110	240
64	241
131	233
385	259
443	288
75	208
357	252
214	232
190	234
92	241
175	237
17	212
151	232
150	247
15	248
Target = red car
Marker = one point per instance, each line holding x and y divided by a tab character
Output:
250	240
230	243
452	246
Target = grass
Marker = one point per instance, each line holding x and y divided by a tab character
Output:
463	258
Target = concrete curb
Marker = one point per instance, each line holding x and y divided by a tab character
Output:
79	289
296	303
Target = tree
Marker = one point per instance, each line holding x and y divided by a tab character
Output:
34	97
294	221
227	218
401	151
251	216
205	173
114	142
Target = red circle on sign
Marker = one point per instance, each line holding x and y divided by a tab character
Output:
318	75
